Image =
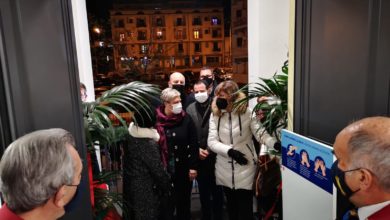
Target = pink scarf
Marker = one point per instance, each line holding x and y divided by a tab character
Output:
163	122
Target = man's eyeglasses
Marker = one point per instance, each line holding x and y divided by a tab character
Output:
72	185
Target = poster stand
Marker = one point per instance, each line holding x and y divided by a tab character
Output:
307	184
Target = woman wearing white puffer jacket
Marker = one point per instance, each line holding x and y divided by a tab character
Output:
230	136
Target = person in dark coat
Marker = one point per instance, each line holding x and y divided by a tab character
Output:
145	180
179	150
206	74
211	195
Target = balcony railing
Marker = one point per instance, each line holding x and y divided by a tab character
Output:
241	21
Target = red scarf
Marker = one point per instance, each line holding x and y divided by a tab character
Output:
163	122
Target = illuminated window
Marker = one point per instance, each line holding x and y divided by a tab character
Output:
121	37
144	48
215	21
196	34
159	34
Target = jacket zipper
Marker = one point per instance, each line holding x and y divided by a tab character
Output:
231	142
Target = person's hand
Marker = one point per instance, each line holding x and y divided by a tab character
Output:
291	150
203	153
305	159
192	174
262	99
323	168
237	156
316	165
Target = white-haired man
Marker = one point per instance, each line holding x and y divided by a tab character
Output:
361	172
40	173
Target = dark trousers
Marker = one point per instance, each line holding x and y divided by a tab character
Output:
211	197
182	198
265	203
239	203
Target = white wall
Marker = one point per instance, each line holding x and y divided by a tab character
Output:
268	37
82	46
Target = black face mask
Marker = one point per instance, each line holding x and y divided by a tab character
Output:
208	80
179	88
75	201
338	177
221	103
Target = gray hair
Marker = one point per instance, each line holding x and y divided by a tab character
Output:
34	167
373	153
168	94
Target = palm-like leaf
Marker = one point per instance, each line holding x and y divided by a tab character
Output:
99	129
276	113
132	97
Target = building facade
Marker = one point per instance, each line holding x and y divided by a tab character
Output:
167	40
239	39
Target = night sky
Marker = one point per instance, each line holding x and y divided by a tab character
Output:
101	8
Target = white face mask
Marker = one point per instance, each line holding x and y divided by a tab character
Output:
201	97
177	108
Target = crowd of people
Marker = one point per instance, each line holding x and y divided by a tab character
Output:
199	136
170	145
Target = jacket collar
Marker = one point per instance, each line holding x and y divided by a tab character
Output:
139	132
238	110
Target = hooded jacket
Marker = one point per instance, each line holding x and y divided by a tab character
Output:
233	130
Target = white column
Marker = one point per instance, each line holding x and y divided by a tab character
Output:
83	47
268	37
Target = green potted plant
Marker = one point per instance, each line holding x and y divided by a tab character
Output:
274	104
271	95
101	129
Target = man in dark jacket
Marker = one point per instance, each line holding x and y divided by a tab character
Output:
206	74
361	171
211	196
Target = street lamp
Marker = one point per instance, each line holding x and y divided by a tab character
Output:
97	30
145	62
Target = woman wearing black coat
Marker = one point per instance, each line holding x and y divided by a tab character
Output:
145	181
178	149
